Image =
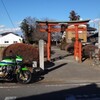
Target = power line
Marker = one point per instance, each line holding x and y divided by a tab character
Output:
8	14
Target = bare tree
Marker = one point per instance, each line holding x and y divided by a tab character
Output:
31	30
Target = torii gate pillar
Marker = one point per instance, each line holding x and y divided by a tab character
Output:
49	44
77	44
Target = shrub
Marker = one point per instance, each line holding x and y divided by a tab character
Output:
28	52
63	44
88	50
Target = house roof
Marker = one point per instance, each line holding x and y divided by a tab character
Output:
91	29
6	33
93	35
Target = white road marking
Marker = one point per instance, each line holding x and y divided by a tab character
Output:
2	87
69	84
10	98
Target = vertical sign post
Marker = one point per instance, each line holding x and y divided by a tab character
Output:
41	54
99	37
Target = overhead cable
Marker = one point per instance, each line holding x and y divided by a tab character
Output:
8	14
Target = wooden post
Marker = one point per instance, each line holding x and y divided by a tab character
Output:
41	54
76	45
49	44
80	52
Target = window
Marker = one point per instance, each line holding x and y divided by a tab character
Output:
14	41
6	41
81	40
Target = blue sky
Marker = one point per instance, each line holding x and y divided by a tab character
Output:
53	9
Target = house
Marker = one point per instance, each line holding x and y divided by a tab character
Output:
9	38
93	38
83	35
71	33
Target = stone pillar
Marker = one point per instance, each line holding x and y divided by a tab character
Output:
41	54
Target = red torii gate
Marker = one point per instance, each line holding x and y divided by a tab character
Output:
49	30
77	46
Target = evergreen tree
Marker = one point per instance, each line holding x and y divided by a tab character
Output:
73	16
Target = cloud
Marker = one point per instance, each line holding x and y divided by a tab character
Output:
4	29
18	23
2	26
97	20
81	18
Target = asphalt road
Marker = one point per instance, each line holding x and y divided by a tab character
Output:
51	92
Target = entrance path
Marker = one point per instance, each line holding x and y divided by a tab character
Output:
64	69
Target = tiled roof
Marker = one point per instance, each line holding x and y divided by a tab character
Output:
3	34
91	29
93	35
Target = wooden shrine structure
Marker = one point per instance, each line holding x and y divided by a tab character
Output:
50	28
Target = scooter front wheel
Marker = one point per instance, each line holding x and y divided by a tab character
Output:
24	77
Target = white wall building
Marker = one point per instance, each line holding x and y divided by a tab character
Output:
9	38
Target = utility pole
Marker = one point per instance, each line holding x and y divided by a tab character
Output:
99	36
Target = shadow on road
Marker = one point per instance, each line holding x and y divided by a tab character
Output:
49	66
60	57
88	92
